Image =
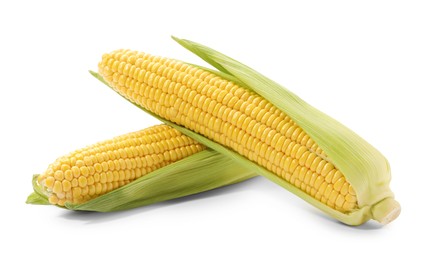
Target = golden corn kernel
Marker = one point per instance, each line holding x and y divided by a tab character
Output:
91	190
76	192
98	167
84	191
350	198
109	177
82	182
57	187
66	185
68	195
338	185
333	197
60	195
49	182
344	188
75	171
53	199
59	175
84	171
103	178
41	178
68	175
79	163
74	183
351	190
90	180
98	188
65	167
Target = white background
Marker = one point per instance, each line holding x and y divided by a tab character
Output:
362	62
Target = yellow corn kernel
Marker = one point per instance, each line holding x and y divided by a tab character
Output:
66	185
76	192
53	199
59	175
82	181
49	182
57	187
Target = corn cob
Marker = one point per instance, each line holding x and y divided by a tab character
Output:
230	115
97	169
241	120
85	174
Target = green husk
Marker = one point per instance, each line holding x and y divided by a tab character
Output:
37	197
363	166
197	173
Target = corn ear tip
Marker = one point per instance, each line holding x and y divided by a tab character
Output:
386	211
37	197
177	39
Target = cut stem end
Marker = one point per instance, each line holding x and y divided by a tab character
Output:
386	211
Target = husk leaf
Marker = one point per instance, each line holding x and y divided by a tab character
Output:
363	166
37	197
197	173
